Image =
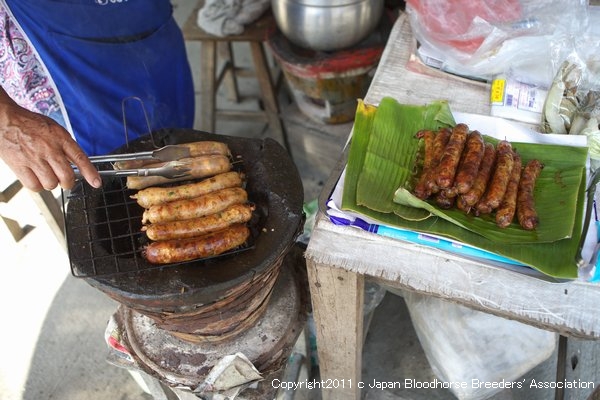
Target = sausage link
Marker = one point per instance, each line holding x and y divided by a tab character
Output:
159	195
200	167
483	176
446	169
235	214
499	181
506	211
197	207
469	163
526	213
421	190
201	148
212	244
439	145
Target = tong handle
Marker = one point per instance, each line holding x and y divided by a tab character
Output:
172	169
144	155
166	153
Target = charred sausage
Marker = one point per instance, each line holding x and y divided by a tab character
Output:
439	145
197	207
486	167
526	212
469	163
212	244
506	211
499	181
159	195
446	169
235	214
421	190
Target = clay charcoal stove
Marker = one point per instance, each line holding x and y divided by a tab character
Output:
104	242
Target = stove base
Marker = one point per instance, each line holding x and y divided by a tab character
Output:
184	364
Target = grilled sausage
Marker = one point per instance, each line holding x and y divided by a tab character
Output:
486	167
421	190
446	169
499	181
469	163
200	167
159	195
201	148
212	244
506	211
197	207
439	145
526	213
235	214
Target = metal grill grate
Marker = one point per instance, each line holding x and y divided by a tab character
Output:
103	229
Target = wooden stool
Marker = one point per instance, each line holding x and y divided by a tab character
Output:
255	35
48	205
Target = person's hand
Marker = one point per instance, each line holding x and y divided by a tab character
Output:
40	151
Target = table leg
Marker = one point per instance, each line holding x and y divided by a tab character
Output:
337	299
267	89
208	89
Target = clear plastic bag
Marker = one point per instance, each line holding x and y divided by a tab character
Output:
483	38
475	348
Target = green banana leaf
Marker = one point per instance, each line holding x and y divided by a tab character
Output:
381	158
556	193
554	258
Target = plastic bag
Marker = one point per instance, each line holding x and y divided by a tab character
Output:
229	17
471	347
482	38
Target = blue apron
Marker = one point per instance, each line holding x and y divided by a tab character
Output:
102	56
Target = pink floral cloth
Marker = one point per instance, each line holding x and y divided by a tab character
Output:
21	74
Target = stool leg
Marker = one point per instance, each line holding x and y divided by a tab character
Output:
267	90
230	80
208	85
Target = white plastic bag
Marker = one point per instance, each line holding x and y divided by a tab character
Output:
483	38
472	347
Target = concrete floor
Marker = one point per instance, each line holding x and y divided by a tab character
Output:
52	342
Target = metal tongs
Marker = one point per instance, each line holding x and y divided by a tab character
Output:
169	154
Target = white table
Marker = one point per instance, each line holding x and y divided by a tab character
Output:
337	271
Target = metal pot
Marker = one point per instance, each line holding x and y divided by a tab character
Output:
327	25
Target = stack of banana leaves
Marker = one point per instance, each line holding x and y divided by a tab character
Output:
383	163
